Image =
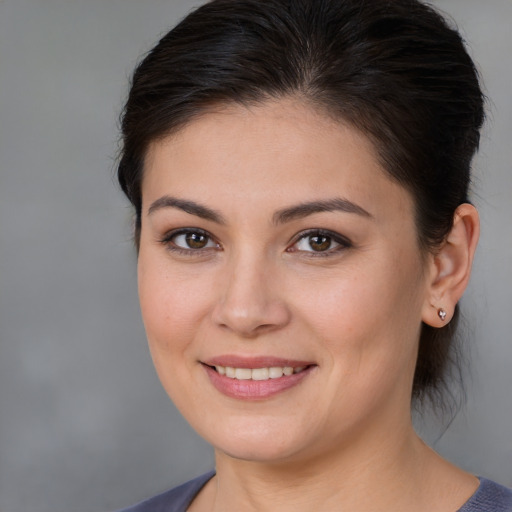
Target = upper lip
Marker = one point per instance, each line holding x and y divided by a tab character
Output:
235	361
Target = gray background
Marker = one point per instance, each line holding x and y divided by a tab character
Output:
84	424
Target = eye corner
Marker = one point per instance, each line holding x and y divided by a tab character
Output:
330	243
189	241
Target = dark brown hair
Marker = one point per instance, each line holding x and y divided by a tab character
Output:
394	69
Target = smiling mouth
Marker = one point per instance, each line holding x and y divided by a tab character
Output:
256	378
258	374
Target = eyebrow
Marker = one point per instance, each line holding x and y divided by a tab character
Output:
280	217
187	206
331	205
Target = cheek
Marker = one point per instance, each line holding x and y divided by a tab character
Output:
172	304
368	316
371	351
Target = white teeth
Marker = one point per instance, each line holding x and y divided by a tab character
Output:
259	374
274	372
243	373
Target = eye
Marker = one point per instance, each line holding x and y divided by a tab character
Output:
192	240
320	241
316	243
189	240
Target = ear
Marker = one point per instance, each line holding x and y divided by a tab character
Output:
450	267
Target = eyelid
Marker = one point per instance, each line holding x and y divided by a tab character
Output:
166	240
342	241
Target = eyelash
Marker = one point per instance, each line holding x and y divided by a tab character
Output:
343	242
170	245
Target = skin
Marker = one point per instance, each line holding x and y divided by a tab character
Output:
259	288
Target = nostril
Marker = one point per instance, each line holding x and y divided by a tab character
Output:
250	303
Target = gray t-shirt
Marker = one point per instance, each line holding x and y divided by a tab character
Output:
489	497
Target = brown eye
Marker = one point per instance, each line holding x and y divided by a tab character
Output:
320	242
316	242
196	240
191	240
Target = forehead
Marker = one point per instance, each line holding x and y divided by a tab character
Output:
278	125
283	150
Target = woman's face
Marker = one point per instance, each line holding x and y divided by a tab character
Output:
280	281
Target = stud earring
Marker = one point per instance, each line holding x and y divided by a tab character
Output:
442	314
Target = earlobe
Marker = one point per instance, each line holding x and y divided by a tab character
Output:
451	267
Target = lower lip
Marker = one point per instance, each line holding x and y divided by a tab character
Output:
254	389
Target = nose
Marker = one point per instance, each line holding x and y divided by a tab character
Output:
250	302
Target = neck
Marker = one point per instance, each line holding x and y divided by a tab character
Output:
359	476
382	466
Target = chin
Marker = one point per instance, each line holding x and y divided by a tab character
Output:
265	452
258	441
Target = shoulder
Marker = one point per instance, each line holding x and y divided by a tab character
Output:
174	500
489	497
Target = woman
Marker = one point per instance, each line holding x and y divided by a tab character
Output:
299	171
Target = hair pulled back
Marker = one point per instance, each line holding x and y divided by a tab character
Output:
393	69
